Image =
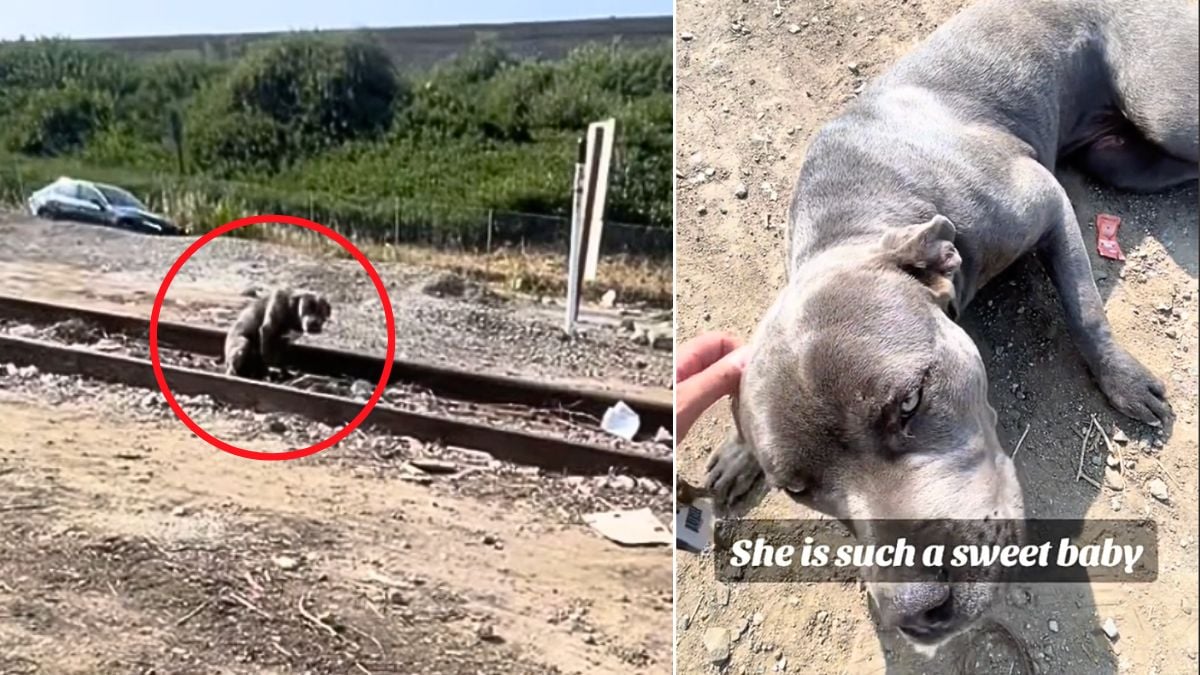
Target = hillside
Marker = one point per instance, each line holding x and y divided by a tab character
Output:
420	47
348	127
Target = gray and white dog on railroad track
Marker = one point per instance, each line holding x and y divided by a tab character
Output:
267	325
863	397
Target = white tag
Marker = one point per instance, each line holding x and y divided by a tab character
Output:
693	525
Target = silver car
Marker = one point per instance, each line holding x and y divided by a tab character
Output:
86	201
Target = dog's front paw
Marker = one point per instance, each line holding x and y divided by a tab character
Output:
1133	390
733	472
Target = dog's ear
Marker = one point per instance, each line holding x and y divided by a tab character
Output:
924	248
926	251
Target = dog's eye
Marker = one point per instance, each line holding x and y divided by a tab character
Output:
910	403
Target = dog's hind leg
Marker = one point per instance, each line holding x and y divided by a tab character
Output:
1153	49
1127	160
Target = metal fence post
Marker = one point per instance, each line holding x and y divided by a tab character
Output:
489	232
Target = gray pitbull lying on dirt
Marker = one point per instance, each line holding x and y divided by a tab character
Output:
863	398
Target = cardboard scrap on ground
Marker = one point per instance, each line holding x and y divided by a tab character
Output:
630	528
1106	237
694	525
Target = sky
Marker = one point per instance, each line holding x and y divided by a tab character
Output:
125	18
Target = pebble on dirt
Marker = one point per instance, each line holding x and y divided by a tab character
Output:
717	644
286	562
1110	629
741	192
1158	490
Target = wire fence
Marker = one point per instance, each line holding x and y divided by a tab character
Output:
201	204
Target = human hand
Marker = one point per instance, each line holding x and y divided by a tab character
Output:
708	367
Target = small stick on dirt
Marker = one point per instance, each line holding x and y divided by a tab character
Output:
1112	450
1018	448
253	584
1082	450
1167	474
380	577
279	648
238	598
1090	480
362	668
8	588
366	635
199	608
312	618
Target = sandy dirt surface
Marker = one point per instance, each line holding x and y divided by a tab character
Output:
756	78
129	545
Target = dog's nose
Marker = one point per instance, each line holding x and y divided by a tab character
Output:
923	610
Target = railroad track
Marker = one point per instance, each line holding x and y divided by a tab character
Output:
536	449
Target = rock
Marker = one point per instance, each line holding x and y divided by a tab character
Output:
396	597
487	632
286	562
276	426
722	595
10	369
446	285
1158	490
1053	626
1113	480
852	67
1110	629
647	485
1172	333
1113	461
685	622
701	210
362	389
623	482
434	466
741	192
1019	596
793	29
609	299
757	619
686	37
1115	503
179	511
717	644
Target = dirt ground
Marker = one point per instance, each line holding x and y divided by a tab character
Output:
128	545
756	78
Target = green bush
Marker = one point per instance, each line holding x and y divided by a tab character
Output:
312	114
58	121
323	91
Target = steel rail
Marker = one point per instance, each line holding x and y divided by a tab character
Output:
449	382
552	454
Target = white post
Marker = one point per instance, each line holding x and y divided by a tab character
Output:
597	192
573	249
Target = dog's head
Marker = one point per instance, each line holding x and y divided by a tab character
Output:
313	311
864	400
